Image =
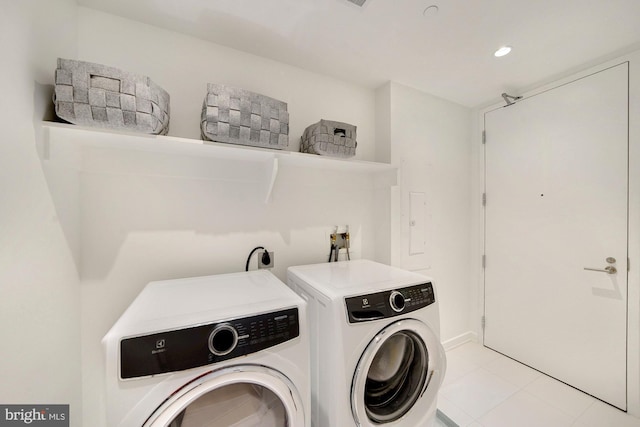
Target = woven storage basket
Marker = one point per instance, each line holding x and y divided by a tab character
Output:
329	138
96	95
238	116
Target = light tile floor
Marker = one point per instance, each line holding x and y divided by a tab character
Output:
483	388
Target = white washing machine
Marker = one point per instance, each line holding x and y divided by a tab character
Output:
376	357
225	350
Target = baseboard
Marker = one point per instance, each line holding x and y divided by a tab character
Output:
459	340
444	419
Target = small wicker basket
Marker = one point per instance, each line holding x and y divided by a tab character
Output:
100	96
238	116
329	138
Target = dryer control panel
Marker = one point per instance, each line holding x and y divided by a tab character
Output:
204	344
385	304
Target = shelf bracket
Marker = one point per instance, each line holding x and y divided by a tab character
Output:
270	177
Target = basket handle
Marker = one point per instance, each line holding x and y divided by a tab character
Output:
341	132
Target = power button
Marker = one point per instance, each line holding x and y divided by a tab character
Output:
397	301
223	339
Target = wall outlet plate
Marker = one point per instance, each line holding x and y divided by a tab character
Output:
262	264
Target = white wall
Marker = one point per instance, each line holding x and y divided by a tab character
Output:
139	227
385	210
430	142
40	292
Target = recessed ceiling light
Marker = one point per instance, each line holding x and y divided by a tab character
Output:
502	51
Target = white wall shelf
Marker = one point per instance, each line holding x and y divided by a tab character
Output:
64	143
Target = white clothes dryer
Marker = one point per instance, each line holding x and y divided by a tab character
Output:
376	357
224	350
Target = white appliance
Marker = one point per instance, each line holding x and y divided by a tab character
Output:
225	350
376	357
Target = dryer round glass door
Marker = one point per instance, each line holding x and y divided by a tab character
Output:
402	367
251	396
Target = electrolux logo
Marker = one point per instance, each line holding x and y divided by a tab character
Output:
36	415
160	346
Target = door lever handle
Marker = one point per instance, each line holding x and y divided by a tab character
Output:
608	269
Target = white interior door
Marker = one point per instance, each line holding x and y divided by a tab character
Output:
556	203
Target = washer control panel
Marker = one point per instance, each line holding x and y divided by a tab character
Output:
381	305
205	344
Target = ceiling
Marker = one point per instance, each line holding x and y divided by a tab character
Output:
448	54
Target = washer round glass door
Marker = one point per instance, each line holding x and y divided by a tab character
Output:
403	364
246	395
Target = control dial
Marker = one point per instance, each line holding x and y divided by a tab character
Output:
397	302
223	339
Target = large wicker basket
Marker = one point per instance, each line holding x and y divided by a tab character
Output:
97	95
238	116
329	138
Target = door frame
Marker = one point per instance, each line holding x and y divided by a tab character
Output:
633	283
